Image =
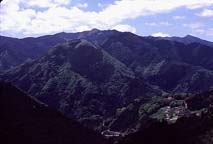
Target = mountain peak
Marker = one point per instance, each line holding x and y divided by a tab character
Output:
84	43
190	36
95	30
80	47
192	39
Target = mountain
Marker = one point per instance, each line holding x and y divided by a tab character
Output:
156	59
170	65
15	51
110	80
24	119
188	39
81	80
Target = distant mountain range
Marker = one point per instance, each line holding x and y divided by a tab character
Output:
153	58
31	48
190	39
111	80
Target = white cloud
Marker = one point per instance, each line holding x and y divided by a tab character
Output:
124	28
178	17
206	13
160	34
39	3
56	17
124	9
13	18
193	25
197	5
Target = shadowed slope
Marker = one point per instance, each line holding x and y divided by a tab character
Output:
26	120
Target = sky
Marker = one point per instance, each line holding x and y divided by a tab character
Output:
33	18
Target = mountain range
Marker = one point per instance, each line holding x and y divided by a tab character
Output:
81	80
115	81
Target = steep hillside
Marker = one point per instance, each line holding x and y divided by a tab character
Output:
172	66
81	80
179	62
15	51
26	120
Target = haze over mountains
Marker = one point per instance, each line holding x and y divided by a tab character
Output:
111	80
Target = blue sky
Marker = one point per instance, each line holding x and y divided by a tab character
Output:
24	18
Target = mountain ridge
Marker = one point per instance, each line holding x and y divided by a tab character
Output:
98	77
79	79
35	47
95	30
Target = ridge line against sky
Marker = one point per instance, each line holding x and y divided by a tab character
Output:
23	18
